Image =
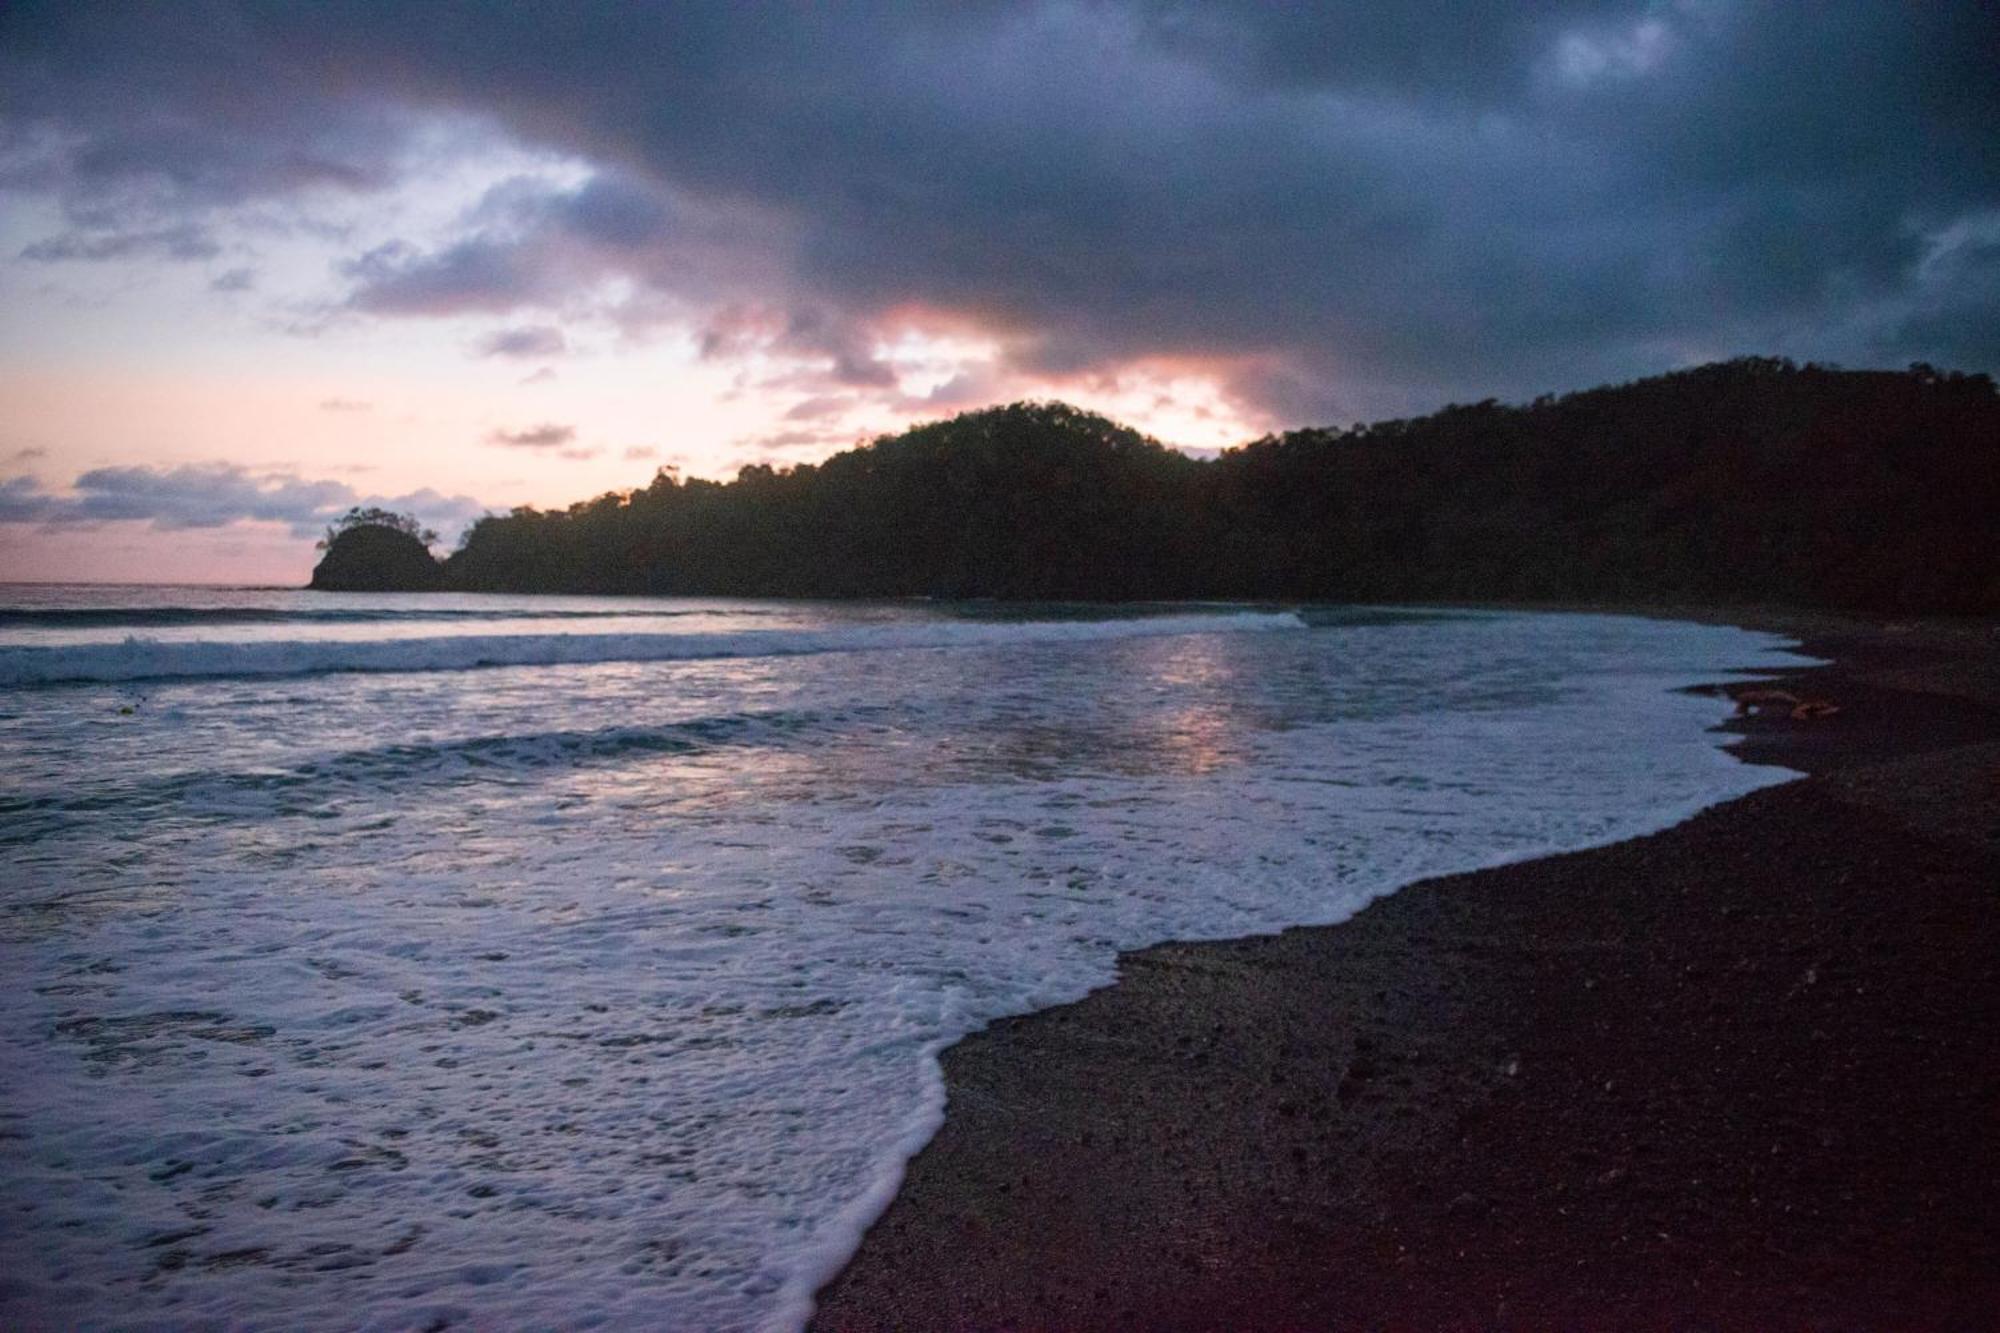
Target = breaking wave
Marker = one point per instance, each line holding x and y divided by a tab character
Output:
152	617
137	659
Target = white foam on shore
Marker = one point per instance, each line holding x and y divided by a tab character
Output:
531	1017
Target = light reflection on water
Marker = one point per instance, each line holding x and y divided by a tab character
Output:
551	994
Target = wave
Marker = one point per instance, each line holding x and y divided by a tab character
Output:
154	617
32	816
138	659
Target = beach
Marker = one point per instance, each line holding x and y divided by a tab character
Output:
435	958
1739	1073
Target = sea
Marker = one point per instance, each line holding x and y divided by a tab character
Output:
421	961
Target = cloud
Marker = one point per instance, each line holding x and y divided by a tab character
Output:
815	348
155	137
477	275
26	455
973	384
821	405
767	446
607	247
528	341
545	375
212	495
640	452
185	242
345	405
139	110
1349	206
545	436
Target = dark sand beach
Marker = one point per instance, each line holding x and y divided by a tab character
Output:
1742	1073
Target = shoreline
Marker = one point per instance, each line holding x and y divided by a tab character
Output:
1735	1072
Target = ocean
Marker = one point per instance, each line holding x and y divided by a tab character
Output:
420	961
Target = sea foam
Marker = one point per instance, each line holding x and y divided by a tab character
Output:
138	658
551	995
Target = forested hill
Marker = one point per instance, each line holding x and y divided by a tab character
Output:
1747	481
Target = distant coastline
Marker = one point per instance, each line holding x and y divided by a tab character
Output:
1748	481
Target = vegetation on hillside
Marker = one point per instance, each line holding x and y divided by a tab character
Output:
1752	480
370	516
372	550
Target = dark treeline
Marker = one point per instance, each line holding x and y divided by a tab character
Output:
1748	481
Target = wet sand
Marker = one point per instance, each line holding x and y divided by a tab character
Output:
1742	1073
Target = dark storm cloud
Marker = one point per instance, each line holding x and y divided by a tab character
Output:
144	124
608	212
475	275
187	100
1440	51
211	496
1342	207
529	245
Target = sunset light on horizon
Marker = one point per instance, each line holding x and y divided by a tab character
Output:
261	262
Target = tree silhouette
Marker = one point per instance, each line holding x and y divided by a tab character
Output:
372	517
1753	480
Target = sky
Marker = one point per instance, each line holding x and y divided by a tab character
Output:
263	261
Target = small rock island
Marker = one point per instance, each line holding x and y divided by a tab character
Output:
376	551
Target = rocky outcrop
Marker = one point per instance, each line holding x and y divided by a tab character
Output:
375	558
